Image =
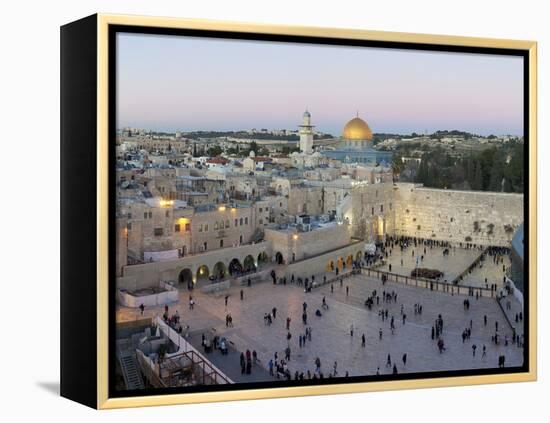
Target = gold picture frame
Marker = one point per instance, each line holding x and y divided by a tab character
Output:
102	22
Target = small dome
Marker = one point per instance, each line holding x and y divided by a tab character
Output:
251	154
357	130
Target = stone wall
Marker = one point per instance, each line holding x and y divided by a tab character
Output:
300	245
372	212
147	275
320	264
305	200
485	218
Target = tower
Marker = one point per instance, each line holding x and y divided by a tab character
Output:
306	134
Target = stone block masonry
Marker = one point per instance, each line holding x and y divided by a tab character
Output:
482	218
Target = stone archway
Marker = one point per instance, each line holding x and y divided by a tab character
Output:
262	258
249	264
359	256
185	278
203	273
349	260
340	263
279	259
235	267
219	271
330	266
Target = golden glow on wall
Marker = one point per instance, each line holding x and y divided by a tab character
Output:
166	203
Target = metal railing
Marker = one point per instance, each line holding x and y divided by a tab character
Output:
430	284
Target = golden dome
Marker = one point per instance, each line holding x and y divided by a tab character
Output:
357	130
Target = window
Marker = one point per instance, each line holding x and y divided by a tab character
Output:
246	220
129	215
200	227
236	222
205	245
206	227
145	215
129	226
280	204
167	213
240	239
159	231
187	227
381	208
241	221
216	226
261	210
221	243
150	215
177	228
390	206
227	223
373	211
261	222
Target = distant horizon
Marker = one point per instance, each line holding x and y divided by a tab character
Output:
258	128
178	83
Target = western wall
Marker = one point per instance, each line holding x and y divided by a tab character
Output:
483	218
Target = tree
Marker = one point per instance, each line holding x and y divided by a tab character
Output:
215	150
254	146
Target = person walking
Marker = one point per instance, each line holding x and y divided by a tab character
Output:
142	308
288	323
404	358
363	340
242	363
242	294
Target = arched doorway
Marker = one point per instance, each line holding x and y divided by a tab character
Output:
279	258
203	273
340	263
349	260
262	258
219	271
330	266
235	267
249	264
359	256
186	278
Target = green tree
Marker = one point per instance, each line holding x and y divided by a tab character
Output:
214	151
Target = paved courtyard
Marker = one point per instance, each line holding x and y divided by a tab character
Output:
452	265
331	340
488	269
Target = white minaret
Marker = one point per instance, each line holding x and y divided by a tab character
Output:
306	134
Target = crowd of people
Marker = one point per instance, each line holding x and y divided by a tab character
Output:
386	304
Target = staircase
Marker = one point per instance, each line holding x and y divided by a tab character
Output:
130	368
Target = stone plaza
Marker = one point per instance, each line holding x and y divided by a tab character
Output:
331	340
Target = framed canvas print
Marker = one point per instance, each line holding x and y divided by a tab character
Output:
254	211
